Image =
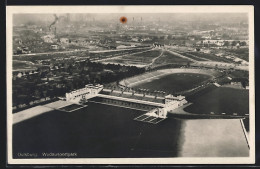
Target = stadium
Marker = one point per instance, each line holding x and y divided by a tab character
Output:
171	80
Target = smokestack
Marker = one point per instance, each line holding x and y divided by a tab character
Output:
54	22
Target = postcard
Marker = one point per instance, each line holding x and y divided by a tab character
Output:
130	84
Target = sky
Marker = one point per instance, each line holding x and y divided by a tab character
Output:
214	17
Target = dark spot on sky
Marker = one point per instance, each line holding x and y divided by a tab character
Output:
123	19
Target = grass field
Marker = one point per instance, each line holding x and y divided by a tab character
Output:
113	53
209	56
193	56
174	82
18	65
242	53
170	58
239	74
145	57
221	100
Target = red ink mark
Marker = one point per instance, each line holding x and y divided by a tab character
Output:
123	19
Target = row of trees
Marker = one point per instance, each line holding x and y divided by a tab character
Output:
234	43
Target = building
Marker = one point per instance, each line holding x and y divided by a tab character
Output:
54	47
64	40
172	102
88	91
48	38
237	84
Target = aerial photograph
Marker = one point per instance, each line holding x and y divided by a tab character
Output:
130	85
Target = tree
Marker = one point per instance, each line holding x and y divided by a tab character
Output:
226	43
243	43
234	43
37	94
45	94
188	64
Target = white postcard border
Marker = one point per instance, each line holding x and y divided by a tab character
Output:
10	10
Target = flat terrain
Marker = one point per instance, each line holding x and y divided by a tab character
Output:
174	82
221	100
140	58
242	53
23	66
211	57
169	58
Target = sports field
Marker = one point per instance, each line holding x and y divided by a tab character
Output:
221	100
174	82
142	58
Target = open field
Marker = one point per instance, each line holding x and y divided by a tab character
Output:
113	53
199	56
140	58
24	65
80	53
239	74
167	58
221	100
211	57
192	56
47	56
242	53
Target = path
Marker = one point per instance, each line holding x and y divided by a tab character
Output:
154	59
199	57
182	56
